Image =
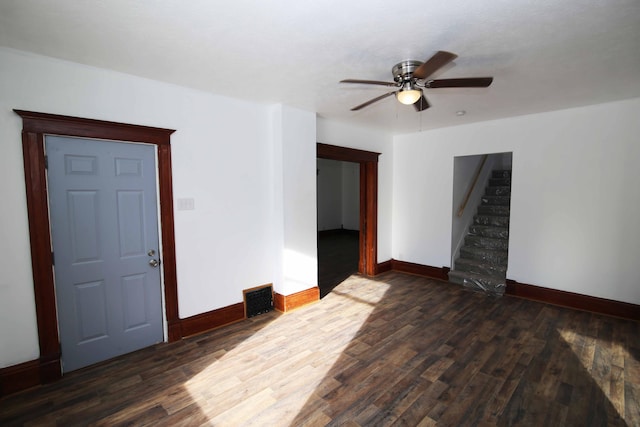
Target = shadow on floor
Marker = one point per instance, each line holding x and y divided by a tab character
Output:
338	255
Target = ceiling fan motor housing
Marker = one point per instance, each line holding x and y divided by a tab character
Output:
403	71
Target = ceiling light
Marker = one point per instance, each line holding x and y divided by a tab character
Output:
408	94
460	113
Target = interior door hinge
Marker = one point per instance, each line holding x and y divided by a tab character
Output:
53	259
46	162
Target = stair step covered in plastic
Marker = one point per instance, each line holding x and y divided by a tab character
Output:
489	231
497	221
496	200
499	181
498	191
486	242
479	267
501	174
494	210
488	255
482	264
479	282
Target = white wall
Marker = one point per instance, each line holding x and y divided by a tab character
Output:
575	202
338	185
223	157
294	196
350	192
329	185
344	135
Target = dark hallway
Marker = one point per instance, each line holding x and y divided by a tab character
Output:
338	252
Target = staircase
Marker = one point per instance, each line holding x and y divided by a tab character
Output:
482	264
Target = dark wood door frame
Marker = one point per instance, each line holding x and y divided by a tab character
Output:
34	128
368	161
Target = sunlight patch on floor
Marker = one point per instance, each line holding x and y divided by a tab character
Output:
267	378
606	370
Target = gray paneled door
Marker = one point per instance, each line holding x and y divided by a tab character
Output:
104	227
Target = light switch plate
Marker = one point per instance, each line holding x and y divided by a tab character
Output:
186	204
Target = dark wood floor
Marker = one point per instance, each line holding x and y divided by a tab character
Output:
391	350
338	255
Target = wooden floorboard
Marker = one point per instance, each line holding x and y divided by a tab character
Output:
396	349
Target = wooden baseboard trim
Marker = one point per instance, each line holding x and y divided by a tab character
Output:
212	319
572	300
441	273
286	303
29	374
383	267
174	332
19	377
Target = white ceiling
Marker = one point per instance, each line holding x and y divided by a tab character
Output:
543	54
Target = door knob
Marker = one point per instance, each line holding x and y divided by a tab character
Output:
153	262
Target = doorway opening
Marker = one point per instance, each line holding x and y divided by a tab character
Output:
480	222
363	164
338	188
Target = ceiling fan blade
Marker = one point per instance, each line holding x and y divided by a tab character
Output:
421	104
466	82
371	101
369	82
438	60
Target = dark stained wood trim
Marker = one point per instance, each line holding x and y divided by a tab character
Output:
371	218
41	265
34	127
572	300
383	267
368	161
441	273
363	247
165	175
286	303
334	152
19	377
213	319
53	124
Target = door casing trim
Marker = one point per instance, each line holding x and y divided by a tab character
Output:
34	128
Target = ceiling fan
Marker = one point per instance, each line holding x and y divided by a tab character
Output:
410	77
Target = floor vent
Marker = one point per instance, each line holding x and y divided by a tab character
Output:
258	300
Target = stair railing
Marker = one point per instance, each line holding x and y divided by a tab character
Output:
473	185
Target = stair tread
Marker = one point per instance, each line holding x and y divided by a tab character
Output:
495	208
478	263
476	266
476	237
489	231
489	227
499	251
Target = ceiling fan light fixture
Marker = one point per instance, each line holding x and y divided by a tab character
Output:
409	94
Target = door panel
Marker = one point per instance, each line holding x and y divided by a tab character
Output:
130	223
91	311
83	218
103	208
